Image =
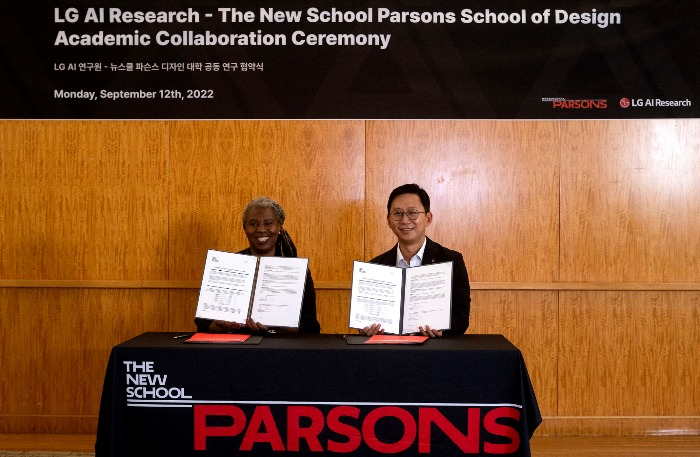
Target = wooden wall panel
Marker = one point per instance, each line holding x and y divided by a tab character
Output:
333	311
314	169
493	187
123	212
83	200
529	320
182	305
629	353
56	343
630	201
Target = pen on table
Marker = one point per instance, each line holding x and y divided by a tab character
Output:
182	336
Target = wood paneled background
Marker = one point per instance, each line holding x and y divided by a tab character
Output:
581	238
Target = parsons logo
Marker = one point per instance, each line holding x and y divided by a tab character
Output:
580	104
342	429
563	103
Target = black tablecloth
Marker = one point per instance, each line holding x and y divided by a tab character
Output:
316	395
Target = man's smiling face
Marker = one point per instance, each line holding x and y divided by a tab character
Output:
406	230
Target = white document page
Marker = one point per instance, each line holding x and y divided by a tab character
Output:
428	298
226	288
279	291
375	296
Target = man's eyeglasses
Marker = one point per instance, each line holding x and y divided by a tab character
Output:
412	214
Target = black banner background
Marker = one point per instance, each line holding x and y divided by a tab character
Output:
648	63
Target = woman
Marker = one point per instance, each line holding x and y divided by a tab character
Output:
262	223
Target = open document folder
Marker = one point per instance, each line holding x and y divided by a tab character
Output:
270	290
401	299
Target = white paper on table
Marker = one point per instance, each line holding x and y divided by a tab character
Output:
279	291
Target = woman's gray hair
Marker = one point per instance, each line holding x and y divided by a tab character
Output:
262	203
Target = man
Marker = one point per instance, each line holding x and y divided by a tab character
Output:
408	216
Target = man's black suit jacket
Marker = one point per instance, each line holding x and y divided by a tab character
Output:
461	298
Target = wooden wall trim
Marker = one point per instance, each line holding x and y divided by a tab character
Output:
596	286
619	425
345	285
47	423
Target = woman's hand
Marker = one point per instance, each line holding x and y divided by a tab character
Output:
429	332
224	327
374	329
255	326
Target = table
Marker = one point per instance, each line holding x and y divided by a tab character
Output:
306	395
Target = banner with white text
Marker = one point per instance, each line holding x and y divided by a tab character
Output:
318	59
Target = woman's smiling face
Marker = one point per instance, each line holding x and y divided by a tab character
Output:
261	229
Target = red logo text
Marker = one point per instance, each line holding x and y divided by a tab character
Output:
344	429
580	104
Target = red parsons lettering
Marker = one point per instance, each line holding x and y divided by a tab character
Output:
262	428
580	104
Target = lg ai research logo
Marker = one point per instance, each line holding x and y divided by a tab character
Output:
653	103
